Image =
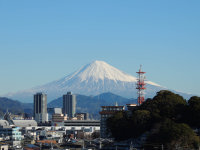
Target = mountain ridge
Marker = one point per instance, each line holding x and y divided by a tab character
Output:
92	104
14	106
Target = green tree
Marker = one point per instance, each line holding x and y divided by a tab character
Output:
173	136
193	113
123	127
140	122
165	104
95	134
164	117
117	125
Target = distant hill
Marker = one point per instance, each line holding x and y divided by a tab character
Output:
14	106
86	104
92	104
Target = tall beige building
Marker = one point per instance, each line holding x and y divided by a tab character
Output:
40	108
69	104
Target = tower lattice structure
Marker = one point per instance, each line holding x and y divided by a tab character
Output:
140	86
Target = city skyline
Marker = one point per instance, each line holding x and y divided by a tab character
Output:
43	41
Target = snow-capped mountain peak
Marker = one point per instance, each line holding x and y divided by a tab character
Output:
100	70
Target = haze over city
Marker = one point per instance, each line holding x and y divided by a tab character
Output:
42	41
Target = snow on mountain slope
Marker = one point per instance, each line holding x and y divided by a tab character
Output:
93	79
99	70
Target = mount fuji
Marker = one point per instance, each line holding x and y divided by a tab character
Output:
92	79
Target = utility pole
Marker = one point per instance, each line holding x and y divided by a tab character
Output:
40	145
99	144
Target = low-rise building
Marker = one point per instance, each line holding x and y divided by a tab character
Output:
3	146
9	122
13	133
17	117
82	123
59	118
82	116
52	111
106	112
130	107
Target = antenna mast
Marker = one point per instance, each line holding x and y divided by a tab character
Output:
140	86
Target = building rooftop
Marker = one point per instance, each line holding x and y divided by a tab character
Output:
112	106
57	110
4	123
25	123
47	141
19	123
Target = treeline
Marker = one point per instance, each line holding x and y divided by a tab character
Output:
167	119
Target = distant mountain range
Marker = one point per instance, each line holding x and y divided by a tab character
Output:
92	79
86	104
14	106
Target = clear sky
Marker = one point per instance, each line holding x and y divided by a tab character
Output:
44	40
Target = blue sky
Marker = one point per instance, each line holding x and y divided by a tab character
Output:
41	41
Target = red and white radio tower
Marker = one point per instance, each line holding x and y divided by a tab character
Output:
140	86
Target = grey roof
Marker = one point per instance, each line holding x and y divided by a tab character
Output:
4	123
58	110
19	123
25	123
